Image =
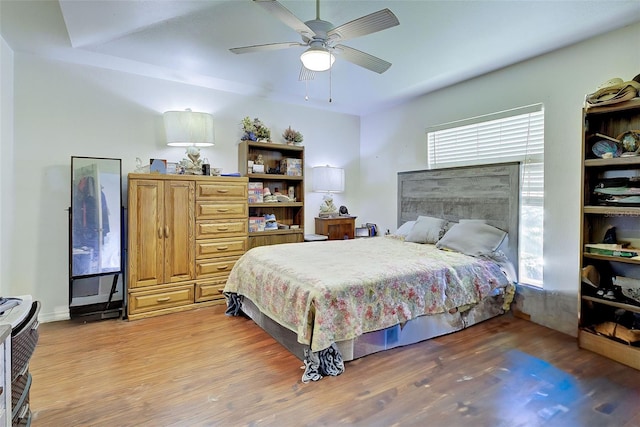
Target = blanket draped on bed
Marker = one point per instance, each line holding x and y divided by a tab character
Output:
337	290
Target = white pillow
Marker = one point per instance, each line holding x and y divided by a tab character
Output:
427	229
404	229
481	221
472	238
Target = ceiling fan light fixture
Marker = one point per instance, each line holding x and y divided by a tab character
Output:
317	58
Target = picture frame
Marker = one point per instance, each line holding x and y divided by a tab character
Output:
158	166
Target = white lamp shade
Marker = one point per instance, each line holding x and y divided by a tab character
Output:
328	179
317	58
188	128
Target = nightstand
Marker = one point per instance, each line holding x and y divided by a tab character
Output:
337	228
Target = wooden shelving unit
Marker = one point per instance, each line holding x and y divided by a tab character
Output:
286	213
598	215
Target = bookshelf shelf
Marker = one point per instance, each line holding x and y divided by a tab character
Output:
617	304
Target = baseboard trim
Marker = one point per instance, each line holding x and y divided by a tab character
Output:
53	317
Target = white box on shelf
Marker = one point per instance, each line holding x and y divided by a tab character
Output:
255	190
256	223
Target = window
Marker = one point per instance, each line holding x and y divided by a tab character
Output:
513	135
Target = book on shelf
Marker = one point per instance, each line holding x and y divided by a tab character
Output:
612	249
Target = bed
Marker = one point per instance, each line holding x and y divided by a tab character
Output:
335	301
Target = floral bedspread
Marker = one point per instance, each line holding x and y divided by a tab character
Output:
337	290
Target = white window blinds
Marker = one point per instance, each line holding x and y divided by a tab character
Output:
514	135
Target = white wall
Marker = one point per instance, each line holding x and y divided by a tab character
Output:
64	110
6	154
395	140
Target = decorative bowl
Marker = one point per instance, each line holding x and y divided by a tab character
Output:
630	140
604	149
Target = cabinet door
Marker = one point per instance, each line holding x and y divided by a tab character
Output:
146	233
179	245
340	231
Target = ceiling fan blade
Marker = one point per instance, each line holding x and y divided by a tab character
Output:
374	22
306	74
362	59
265	47
284	15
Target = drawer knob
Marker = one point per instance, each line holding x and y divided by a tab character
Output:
222	190
223	210
223	267
223	228
222	248
164	299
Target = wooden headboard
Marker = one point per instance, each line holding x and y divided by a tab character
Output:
489	192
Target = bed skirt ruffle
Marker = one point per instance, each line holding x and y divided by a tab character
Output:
318	364
234	303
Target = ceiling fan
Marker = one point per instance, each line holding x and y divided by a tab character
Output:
321	39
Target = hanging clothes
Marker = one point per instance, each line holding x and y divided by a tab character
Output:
105	214
86	220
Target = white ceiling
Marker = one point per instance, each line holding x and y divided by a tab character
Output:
438	43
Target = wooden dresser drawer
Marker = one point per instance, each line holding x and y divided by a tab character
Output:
140	302
220	247
215	267
221	190
209	209
210	290
212	229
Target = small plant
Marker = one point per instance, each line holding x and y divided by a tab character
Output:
262	132
292	136
255	130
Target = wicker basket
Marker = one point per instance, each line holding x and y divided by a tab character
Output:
23	342
24	418
20	393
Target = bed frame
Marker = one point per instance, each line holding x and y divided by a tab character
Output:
489	192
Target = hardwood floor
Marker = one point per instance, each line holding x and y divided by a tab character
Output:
201	368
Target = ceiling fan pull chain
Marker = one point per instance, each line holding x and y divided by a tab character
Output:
330	100
306	90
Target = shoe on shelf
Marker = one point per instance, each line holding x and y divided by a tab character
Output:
271	225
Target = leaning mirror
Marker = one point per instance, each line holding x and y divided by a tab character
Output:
95	217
